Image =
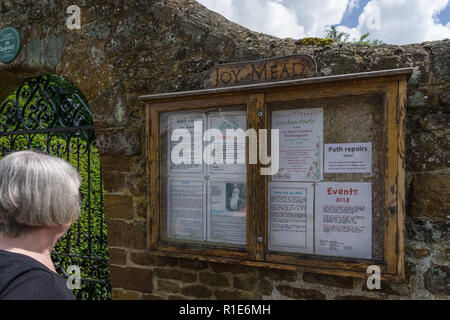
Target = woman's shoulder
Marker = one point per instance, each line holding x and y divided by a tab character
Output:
22	277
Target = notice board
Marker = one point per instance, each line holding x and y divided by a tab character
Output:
334	202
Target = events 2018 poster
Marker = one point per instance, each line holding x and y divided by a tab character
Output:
343	219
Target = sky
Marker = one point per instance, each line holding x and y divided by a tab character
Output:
391	21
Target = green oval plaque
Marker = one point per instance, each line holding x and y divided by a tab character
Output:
9	44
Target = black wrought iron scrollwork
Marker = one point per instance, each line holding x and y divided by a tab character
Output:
46	116
39	104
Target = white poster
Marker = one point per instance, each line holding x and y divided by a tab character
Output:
233	146
186	210
301	144
227	212
348	158
194	145
291	208
343	219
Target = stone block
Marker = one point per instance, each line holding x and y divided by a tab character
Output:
134	279
130	235
299	293
213	279
197	291
328	280
118	206
117	256
146	259
431	196
437	280
168	286
119	294
174	274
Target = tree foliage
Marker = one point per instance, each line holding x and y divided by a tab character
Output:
343	37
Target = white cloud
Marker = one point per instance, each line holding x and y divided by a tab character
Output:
403	21
282	18
400	21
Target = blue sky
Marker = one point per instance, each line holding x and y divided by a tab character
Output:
392	21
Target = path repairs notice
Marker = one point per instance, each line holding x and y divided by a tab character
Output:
348	158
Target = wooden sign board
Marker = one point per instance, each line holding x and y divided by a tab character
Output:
268	70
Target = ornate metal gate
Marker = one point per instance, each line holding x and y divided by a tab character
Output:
50	114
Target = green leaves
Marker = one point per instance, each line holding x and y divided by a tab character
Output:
344	37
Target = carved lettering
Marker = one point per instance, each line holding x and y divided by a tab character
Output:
228	77
274	69
273	72
259	73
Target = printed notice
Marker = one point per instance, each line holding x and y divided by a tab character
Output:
291	207
348	158
192	142
343	220
233	144
227	223
185	215
301	138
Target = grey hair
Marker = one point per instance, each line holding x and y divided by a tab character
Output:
37	190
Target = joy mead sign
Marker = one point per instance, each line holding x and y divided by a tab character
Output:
268	70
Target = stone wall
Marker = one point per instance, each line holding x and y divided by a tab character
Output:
130	48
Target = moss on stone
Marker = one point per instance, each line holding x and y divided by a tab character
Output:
315	41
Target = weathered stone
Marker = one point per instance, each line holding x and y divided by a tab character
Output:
197	291
134	279
354	298
276	274
421	253
117	256
428	230
113	182
193	264
136	185
119	294
168	286
248	282
177	297
232	268
213	279
299	293
110	108
146	259
389	288
175	275
115	163
441	56
328	280
119	141
140	207
431	196
437	279
130	235
119	206
265	286
236	295
151	297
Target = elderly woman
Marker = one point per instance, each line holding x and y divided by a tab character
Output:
39	200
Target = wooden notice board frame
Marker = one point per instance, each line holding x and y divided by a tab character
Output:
390	85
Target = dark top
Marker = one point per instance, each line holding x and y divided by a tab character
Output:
24	278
